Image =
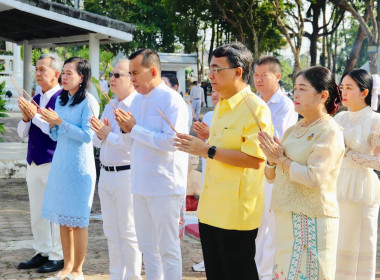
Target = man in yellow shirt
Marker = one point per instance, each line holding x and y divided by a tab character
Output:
232	200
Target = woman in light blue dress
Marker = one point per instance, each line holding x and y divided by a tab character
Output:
71	183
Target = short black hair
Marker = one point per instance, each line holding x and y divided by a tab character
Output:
150	58
364	81
173	80
237	55
83	68
322	79
269	59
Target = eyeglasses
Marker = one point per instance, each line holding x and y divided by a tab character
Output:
118	75
216	70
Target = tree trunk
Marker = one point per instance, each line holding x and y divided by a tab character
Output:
324	43
373	63
352	60
211	42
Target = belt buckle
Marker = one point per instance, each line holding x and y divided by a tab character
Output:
114	168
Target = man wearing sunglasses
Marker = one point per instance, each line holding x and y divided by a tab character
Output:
115	181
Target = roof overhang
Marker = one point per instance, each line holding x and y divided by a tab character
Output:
47	24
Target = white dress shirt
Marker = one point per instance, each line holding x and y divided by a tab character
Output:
157	168
112	150
23	127
282	111
196	93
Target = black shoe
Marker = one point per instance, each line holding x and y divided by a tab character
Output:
35	262
51	266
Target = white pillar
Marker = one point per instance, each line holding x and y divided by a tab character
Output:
16	60
94	61
181	76
8	46
28	68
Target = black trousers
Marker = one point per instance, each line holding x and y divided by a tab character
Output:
228	254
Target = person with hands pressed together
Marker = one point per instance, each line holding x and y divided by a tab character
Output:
304	168
158	171
114	185
231	202
71	183
46	240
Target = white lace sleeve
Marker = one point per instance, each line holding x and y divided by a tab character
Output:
364	160
370	161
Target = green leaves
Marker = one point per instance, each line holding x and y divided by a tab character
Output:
2	109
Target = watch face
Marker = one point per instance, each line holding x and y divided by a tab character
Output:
211	152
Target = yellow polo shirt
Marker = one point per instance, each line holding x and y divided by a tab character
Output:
233	197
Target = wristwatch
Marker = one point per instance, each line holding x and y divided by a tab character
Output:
211	152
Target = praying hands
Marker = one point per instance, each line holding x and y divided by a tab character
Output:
28	109
202	130
125	120
101	129
50	116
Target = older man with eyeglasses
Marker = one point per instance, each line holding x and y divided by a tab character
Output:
115	182
232	199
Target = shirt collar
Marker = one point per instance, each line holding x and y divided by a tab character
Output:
128	100
276	97
234	100
48	94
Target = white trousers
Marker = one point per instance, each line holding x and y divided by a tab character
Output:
357	242
265	240
46	237
156	219
196	103
119	226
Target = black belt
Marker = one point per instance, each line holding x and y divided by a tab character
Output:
115	168
196	98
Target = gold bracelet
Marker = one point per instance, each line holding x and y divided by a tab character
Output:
282	164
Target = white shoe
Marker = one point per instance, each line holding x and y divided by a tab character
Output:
56	277
199	267
71	277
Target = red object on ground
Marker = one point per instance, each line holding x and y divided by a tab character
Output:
191	203
192	230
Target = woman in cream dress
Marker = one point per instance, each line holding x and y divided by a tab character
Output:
358	185
304	168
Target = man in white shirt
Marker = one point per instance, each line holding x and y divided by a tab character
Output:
47	243
115	181
159	171
197	97
267	74
103	84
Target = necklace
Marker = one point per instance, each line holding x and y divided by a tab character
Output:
297	135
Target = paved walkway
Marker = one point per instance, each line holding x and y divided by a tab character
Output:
16	239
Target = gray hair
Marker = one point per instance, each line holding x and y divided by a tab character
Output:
56	62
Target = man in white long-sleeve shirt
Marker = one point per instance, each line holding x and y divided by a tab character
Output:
159	171
47	243
267	74
197	97
115	181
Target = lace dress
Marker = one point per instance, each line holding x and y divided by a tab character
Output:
357	182
358	196
71	183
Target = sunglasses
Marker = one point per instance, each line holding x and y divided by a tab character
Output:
117	75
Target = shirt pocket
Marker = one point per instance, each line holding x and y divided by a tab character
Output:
231	139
